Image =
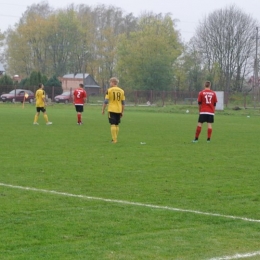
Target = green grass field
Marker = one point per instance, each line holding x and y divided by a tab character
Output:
66	192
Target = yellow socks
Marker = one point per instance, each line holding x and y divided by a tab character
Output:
45	118
113	129
36	118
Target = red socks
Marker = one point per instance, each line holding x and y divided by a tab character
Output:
79	118
209	132
198	130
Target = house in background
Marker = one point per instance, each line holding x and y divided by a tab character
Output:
72	81
2	70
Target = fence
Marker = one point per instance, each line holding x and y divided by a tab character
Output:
163	98
50	91
157	98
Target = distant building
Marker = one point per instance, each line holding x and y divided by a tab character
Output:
2	70
72	81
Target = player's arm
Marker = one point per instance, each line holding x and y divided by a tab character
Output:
105	103
85	97
43	99
216	100
104	106
199	101
73	97
123	107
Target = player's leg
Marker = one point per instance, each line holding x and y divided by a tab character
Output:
113	128
117	131
209	132
113	133
198	129
36	117
81	110
118	117
79	118
77	108
45	116
210	122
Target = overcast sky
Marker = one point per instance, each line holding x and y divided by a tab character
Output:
187	12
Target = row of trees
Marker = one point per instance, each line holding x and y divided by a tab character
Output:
144	52
33	80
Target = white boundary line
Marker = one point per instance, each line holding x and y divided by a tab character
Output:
237	256
125	202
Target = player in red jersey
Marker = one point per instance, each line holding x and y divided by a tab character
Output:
79	99
207	100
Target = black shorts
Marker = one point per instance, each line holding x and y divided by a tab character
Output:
206	118
39	109
79	109
114	118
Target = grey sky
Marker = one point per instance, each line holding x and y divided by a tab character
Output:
187	12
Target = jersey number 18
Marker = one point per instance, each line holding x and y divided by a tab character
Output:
117	96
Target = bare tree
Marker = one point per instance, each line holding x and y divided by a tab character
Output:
226	39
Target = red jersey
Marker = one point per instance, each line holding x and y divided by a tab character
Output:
207	99
79	96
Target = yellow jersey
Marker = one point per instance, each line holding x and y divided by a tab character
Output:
40	97
115	97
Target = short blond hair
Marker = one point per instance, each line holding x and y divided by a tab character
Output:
114	79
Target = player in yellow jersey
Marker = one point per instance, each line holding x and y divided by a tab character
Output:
115	99
40	105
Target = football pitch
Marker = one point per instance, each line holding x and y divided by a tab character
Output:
66	192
